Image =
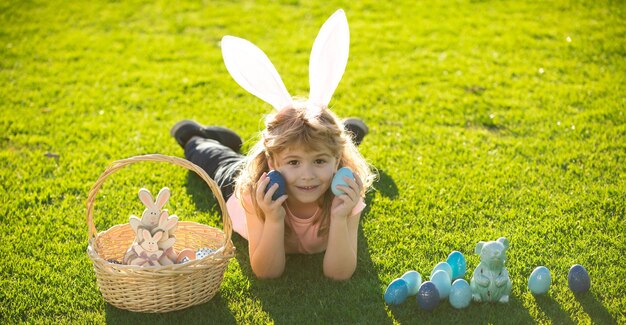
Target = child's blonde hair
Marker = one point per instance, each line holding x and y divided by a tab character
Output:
296	126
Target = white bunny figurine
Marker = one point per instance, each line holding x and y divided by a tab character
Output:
147	251
150	216
253	71
167	225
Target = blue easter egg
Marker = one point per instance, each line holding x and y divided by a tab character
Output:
539	280
442	281
460	294
457	263
413	280
338	180
396	292
276	178
578	279
428	296
444	266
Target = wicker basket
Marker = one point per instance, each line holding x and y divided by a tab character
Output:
159	289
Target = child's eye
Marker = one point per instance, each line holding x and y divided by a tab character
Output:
320	161
292	162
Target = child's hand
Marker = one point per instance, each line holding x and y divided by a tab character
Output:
344	204
273	209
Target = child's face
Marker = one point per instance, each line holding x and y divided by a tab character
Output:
308	174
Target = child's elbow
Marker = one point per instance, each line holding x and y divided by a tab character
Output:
269	274
339	275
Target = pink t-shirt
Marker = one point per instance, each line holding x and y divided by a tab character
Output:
305	239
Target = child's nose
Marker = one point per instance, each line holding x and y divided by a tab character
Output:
308	173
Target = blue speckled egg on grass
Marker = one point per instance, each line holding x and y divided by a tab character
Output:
428	296
578	279
413	280
397	292
442	281
539	280
457	263
338	180
460	294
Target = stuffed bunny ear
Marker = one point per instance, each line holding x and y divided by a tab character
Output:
162	197
254	71
146	197
146	234
329	57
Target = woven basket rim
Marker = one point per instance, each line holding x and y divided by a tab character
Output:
119	164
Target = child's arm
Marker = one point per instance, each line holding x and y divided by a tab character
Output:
266	239
340	258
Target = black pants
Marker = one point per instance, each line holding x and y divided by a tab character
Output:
218	161
221	162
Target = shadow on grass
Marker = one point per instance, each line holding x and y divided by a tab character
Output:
477	313
201	194
213	312
385	185
553	310
594	308
588	301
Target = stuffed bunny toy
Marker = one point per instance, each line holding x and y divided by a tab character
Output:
167	226
253	70
154	219
147	251
490	281
151	215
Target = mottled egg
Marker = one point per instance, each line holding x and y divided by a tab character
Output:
396	292
460	294
457	263
413	280
578	279
442	281
444	266
338	180
539	280
428	296
276	178
203	252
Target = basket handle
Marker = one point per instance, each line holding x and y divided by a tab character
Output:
119	164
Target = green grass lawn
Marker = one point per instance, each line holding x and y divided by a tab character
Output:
487	119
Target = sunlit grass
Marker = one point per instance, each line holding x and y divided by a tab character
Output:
486	118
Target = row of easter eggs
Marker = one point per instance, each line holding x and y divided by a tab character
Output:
441	285
446	281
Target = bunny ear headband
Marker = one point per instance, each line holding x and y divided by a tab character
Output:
253	70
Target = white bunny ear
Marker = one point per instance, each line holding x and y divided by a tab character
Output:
162	197
146	197
254	71
329	57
